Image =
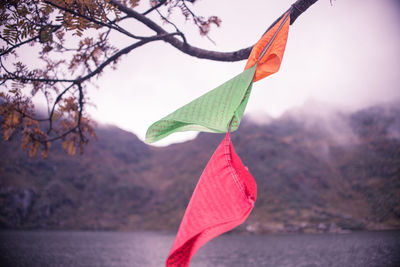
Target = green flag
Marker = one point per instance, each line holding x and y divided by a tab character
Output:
211	112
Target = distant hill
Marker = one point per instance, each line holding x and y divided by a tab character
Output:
316	171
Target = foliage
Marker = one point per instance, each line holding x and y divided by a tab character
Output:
73	41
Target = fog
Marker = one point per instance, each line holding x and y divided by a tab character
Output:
345	54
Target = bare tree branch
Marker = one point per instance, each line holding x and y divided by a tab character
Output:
184	47
59	97
162	2
298	8
173	25
18	45
123	51
78	124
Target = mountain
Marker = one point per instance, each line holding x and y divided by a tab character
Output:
317	170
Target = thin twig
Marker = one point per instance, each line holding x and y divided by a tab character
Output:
119	29
196	21
80	101
29	116
176	28
124	51
154	7
18	45
59	97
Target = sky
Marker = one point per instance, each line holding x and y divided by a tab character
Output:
345	54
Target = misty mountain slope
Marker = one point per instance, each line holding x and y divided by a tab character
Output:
315	171
75	191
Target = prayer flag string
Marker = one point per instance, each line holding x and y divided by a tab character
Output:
224	105
226	191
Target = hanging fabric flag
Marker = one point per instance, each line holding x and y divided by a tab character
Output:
268	51
214	111
224	106
222	199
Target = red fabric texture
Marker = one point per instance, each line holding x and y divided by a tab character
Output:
222	199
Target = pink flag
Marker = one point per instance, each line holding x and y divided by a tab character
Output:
222	199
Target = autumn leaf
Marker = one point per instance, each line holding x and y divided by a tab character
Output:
71	148
7	133
33	149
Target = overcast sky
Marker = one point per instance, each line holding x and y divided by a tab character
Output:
346	54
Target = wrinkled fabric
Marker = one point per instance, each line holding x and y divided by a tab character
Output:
268	51
226	191
222	199
214	111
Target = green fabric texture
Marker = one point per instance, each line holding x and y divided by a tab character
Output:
211	112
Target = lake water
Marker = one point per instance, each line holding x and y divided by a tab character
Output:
109	249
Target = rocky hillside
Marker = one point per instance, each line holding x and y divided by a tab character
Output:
316	171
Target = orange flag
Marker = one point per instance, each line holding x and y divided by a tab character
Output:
268	51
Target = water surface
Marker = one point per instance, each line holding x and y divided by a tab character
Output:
112	249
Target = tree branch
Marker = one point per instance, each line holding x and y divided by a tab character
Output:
154	7
78	125
59	136
173	25
54	107
295	11
299	7
123	51
184	47
98	70
44	80
56	27
117	28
